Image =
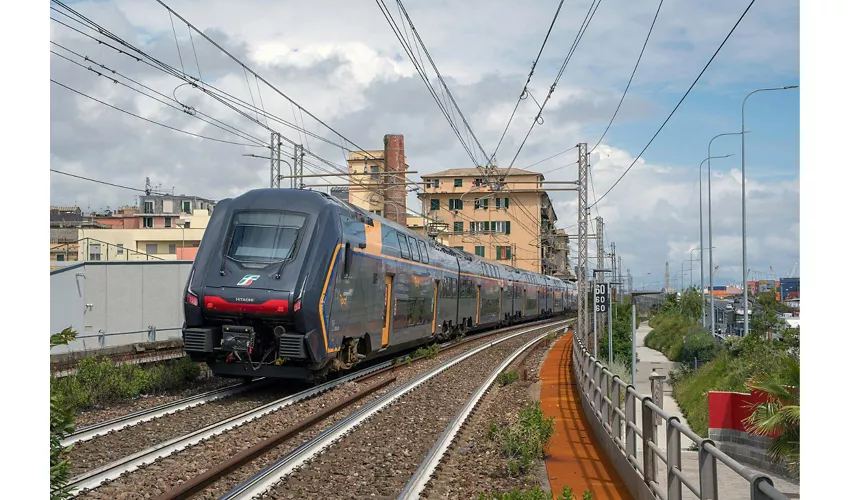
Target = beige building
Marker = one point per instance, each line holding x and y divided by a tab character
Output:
514	226
377	180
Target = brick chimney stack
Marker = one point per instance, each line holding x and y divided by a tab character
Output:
395	198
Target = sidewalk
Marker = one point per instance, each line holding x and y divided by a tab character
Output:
731	486
574	459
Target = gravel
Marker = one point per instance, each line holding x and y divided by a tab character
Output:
379	457
473	464
96	415
88	455
163	474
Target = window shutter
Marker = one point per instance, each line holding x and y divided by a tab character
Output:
459	204
471	226
451	204
486	225
508	227
508	253
506	202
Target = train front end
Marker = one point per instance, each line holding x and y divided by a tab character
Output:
250	302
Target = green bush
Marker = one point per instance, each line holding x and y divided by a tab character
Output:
61	424
621	332
98	381
533	494
526	441
699	344
507	378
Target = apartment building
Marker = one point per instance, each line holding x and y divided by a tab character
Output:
514	225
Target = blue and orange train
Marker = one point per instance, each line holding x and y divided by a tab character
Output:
297	284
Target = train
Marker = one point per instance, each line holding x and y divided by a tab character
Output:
298	284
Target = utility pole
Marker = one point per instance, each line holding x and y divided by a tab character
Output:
582	319
298	167
275	160
620	273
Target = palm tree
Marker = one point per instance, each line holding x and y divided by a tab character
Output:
780	414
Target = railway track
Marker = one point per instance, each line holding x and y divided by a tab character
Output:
264	480
90	481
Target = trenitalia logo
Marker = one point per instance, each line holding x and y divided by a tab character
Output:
248	279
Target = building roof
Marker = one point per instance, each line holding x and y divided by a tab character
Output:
474	172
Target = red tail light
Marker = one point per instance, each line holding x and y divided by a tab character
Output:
191	299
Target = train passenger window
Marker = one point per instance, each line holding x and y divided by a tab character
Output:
264	237
423	250
414	249
402	245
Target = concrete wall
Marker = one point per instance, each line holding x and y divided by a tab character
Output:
117	297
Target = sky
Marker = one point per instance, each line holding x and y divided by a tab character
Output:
342	63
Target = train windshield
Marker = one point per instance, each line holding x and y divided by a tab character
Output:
264	237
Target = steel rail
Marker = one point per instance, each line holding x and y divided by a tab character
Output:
140	416
416	485
94	478
197	484
268	477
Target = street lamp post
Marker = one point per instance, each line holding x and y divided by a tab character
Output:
702	247
710	245
744	201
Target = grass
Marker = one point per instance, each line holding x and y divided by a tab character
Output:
526	441
507	378
534	493
98	381
427	352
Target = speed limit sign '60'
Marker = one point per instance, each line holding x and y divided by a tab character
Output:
600	293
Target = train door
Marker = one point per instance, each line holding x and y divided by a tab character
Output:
524	293
388	303
477	304
501	294
434	305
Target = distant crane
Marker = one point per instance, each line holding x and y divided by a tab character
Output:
793	270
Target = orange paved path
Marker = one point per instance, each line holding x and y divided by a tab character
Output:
574	459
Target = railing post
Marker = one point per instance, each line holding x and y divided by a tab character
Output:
674	460
656	384
631	416
755	492
614	419
648	431
101	338
707	471
597	384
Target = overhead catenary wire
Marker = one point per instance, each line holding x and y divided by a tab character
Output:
191	111
153	121
174	72
704	69
527	81
637	63
588	17
97	181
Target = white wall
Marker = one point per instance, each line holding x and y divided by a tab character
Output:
115	297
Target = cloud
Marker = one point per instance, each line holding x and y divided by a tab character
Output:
342	62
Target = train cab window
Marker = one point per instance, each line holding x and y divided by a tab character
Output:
402	245
264	237
348	258
423	250
414	249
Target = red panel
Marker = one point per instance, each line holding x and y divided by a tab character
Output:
720	410
274	306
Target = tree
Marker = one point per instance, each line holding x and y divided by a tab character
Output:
780	414
61	424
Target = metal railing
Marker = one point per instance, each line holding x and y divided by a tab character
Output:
603	391
151	331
